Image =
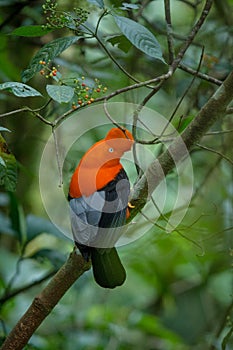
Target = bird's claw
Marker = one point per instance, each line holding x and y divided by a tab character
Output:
131	206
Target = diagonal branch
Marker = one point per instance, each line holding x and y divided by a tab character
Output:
43	304
212	111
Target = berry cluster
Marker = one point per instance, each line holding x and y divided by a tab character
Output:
86	90
87	93
62	19
47	71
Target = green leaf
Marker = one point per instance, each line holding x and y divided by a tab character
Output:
98	3
46	53
8	171
19	89
30	31
121	41
61	94
2	162
140	37
182	125
126	6
4	129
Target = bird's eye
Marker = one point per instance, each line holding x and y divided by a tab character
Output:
110	150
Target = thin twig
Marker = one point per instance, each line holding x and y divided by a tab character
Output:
141	8
136	119
117	92
111	118
170	43
96	36
229	110
206	178
189	3
27	109
220	132
43	304
142	104
211	112
216	152
184	94
59	166
159	30
17	291
105	12
12	280
222	324
193	33
203	76
173	228
23	109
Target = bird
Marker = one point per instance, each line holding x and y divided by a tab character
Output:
98	199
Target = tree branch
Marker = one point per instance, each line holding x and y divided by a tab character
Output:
203	76
192	34
43	304
169	30
212	111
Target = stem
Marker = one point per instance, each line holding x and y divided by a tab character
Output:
33	111
59	165
193	33
161	78
15	292
184	94
115	61
95	35
216	152
169	30
200	75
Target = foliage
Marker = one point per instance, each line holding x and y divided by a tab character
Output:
178	293
8	166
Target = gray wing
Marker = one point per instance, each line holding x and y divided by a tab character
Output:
98	220
85	218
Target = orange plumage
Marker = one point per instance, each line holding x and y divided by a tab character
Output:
98	197
101	163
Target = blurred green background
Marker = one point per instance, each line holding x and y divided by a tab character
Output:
178	293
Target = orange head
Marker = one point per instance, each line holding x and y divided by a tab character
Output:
123	139
101	163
